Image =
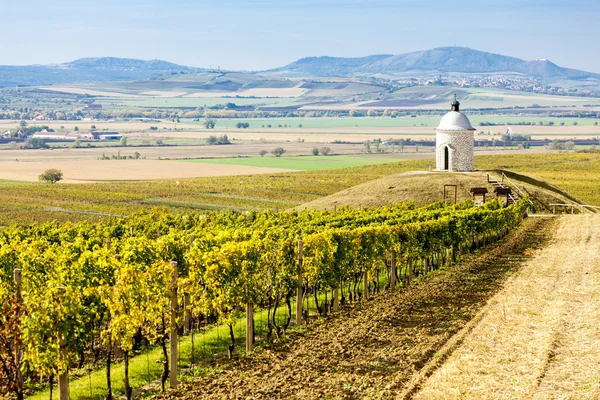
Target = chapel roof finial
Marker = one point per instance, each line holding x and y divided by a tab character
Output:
454	106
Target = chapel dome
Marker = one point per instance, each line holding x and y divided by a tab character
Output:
455	121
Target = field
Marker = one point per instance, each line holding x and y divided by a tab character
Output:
307	163
539	333
86	171
24	202
211	89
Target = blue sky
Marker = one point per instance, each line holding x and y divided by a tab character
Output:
261	34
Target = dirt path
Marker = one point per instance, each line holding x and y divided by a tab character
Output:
540	336
373	350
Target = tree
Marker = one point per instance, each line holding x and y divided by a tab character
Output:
557	145
325	150
315	151
35	143
76	129
262	152
277	152
123	141
23	124
93	127
209	123
51	175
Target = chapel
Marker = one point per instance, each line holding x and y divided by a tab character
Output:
454	141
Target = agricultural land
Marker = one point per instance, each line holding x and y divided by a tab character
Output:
289	231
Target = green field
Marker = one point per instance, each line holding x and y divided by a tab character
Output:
383	122
303	163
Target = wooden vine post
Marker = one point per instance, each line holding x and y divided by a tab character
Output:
187	316
366	285
336	299
63	377
393	271
249	326
299	288
173	328
18	350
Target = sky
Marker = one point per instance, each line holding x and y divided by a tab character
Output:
263	34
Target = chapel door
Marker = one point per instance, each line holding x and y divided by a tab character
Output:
446	158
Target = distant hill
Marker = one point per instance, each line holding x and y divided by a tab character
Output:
443	59
100	69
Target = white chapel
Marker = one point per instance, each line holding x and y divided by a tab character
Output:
454	141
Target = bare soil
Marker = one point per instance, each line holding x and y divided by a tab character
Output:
373	349
85	171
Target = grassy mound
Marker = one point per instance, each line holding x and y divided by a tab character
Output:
425	187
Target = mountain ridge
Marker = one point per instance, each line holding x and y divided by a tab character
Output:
442	59
90	69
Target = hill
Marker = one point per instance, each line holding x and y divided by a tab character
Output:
102	69
424	187
442	59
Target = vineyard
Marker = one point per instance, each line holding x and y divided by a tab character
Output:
92	294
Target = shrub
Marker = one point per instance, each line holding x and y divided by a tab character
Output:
277	152
325	150
51	176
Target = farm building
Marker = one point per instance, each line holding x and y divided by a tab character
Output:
58	136
107	136
93	106
454	141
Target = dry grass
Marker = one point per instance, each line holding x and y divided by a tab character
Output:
540	338
420	186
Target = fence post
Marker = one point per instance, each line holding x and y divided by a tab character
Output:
17	349
249	326
63	377
173	328
299	289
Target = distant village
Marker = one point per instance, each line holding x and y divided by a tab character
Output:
523	84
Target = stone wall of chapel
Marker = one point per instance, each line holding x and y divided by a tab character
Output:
463	144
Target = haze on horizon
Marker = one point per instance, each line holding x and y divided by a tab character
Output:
265	34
